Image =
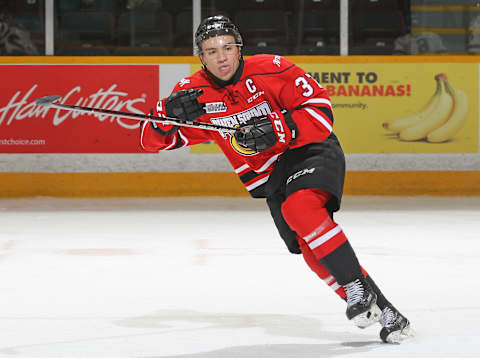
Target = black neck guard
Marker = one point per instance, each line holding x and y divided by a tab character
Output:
234	79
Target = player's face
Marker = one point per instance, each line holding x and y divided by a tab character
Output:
221	56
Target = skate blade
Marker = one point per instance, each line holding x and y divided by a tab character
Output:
367	318
398	337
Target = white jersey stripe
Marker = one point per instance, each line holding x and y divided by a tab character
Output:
329	279
257	183
267	163
324	238
319	118
317	231
185	140
319	101
141	135
335	286
241	169
173	143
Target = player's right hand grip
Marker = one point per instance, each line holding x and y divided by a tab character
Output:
256	134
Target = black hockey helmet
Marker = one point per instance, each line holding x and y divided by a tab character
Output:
216	26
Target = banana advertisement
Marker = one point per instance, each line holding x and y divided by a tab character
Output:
398	107
403	107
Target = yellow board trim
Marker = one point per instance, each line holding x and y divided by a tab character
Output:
406	183
444	30
398	183
96	60
25	60
119	184
444	8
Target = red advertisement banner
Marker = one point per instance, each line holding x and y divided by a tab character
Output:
28	128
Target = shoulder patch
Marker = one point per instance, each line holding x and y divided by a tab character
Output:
277	61
183	82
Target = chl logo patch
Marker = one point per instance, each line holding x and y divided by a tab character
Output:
299	174
215	107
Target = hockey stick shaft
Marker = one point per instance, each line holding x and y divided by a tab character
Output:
52	101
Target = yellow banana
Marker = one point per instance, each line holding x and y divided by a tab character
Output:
399	124
435	118
457	118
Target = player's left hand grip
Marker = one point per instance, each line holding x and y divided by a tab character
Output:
184	105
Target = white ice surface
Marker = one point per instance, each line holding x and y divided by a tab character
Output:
209	277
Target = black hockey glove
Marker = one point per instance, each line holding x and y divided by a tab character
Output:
259	135
184	105
256	134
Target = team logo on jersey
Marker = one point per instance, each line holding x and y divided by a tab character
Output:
239	149
215	107
237	119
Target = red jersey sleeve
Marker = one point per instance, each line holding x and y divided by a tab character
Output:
156	136
308	102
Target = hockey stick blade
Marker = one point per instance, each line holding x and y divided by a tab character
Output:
48	100
52	101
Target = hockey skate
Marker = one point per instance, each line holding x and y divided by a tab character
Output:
395	327
361	303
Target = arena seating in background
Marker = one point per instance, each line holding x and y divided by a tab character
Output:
263	28
145	28
27	17
24	7
177	6
317	5
375	5
140	51
375	25
378	24
370	27
183	38
92	27
165	27
31	22
263	48
34	25
373	46
63	6
81	50
262	5
319	33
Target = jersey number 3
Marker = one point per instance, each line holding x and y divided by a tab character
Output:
305	85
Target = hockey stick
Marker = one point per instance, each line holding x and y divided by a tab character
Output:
52	101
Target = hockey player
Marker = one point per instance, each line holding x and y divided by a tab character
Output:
285	152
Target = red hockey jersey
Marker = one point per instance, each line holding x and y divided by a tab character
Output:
268	85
